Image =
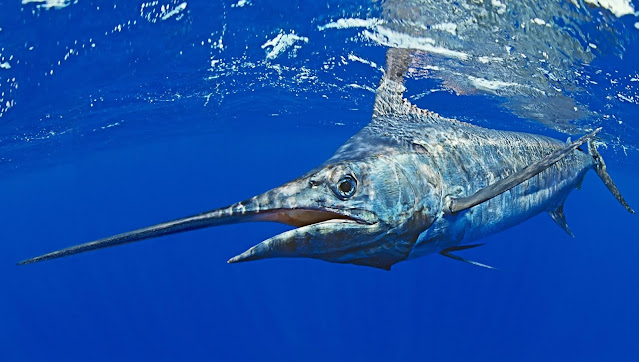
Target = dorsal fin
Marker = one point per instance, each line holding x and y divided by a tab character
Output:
389	96
390	92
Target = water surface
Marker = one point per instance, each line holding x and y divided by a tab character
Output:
119	115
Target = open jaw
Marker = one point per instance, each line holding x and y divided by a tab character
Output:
320	233
300	217
317	229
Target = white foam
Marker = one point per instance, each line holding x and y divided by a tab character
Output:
449	27
355	58
49	4
490	85
617	7
178	9
625	98
501	7
486	60
282	42
538	21
357	86
637	25
241	3
5	65
390	38
351	23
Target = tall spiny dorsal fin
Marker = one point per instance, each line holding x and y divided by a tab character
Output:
389	97
390	92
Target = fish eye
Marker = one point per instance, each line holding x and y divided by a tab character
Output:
346	187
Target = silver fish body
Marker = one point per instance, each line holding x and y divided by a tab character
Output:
445	158
410	183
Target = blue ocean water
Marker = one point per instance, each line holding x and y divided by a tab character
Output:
117	115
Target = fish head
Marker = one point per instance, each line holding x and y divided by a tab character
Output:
367	212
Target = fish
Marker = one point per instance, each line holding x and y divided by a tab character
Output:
410	183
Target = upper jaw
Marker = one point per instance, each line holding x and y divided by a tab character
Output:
303	216
322	232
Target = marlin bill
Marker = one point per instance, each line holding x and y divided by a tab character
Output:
409	184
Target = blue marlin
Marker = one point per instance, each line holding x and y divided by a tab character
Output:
409	184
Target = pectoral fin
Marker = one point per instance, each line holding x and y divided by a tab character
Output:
447	252
559	217
457	204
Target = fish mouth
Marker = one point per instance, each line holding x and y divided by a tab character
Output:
300	217
319	227
320	233
308	220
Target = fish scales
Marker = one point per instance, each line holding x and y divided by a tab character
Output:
468	158
408	184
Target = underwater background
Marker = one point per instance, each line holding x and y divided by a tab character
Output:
120	114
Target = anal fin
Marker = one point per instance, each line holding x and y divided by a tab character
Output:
560	218
447	253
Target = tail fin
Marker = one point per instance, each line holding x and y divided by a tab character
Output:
600	168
